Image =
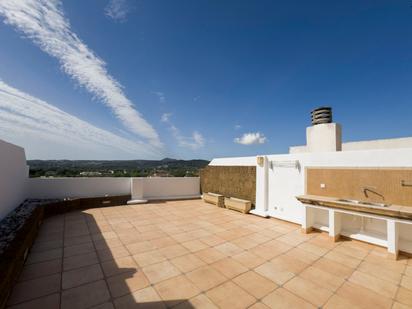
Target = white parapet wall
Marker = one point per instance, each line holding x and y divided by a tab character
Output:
150	188
157	188
78	187
13	176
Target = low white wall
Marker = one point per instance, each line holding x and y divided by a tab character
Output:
13	176
165	187
78	187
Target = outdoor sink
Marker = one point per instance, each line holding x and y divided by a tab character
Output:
363	203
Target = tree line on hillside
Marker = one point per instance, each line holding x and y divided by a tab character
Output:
116	168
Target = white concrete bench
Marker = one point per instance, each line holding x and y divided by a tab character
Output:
238	204
214	198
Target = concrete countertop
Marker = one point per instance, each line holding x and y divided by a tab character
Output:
396	211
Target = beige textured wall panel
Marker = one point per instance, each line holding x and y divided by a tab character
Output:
384	183
230	181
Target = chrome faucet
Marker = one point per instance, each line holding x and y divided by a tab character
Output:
371	189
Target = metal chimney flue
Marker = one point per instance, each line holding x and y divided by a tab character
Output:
321	115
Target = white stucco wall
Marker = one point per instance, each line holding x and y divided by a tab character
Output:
13	176
286	182
78	187
165	187
391	143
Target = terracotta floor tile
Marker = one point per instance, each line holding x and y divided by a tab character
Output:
380	272
85	296
270	250
382	261
313	293
47	302
114	253
30	289
363	297
322	278
149	257
140	247
230	296
176	290
282	298
118	266
259	305
206	277
161	271
107	305
187	262
229	267
47	245
173	251
249	259
291	240
337	302
333	267
194	245
209	255
290	263
245	242
77	240
78	261
127	283
43	256
227	249
352	251
182	237
79	276
404	296
397	305
144	298
163	242
255	284
314	249
343	259
212	240
33	271
383	287
406	282
275	273
200	301
103	244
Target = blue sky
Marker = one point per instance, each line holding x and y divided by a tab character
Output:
199	79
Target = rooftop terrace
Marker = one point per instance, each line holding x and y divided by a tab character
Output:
188	254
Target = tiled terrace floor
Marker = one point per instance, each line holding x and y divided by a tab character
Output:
193	255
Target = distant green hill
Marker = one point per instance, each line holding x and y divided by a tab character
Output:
115	168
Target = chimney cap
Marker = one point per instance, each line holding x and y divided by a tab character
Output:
321	115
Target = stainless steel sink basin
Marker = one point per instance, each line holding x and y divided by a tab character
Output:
363	203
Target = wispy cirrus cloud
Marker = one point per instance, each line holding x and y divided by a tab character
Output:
43	21
250	139
165	117
117	10
161	96
24	118
193	142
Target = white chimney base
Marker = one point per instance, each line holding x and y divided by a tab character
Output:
326	137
